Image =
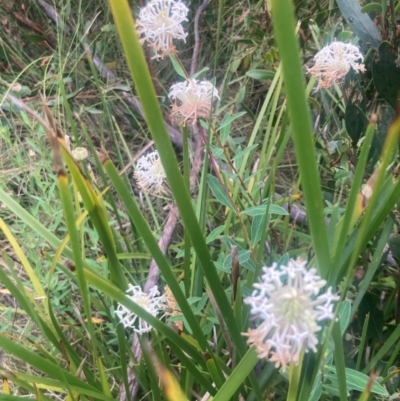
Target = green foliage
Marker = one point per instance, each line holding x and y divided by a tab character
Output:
73	237
386	74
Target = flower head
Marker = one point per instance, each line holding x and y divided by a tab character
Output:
289	307
159	24
334	61
193	100
80	153
150	173
151	302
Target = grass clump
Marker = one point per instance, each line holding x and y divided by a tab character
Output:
186	213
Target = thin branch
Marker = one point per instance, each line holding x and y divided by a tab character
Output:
53	15
196	47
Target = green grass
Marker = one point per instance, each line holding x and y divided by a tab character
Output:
73	234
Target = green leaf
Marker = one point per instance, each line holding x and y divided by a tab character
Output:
214	234
355	118
360	23
261	75
244	257
394	245
369	306
225	126
229	118
218	191
344	315
356	381
237	377
372	8
316	391
293	73
145	89
262	209
239	155
198	73
50	368
344	36
386	74
256	229
218	153
177	67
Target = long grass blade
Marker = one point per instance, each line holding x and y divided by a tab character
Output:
284	24
141	77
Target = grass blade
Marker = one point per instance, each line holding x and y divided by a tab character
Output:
283	19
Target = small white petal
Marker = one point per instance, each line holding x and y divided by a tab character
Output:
151	302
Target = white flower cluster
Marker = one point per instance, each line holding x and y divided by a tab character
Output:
150	173
193	100
289	308
334	61
151	302
159	24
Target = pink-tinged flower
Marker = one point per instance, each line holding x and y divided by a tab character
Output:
193	100
287	303
151	302
150	173
334	61
159	24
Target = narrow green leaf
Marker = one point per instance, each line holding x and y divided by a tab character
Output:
256	228
261	75
238	376
63	185
198	73
342	229
357	381
243	152
344	315
137	64
229	118
355	118
24	260
218	191
98	215
177	67
17	291
289	51
386	73
316	391
214	234
371	8
50	368
75	359
262	209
